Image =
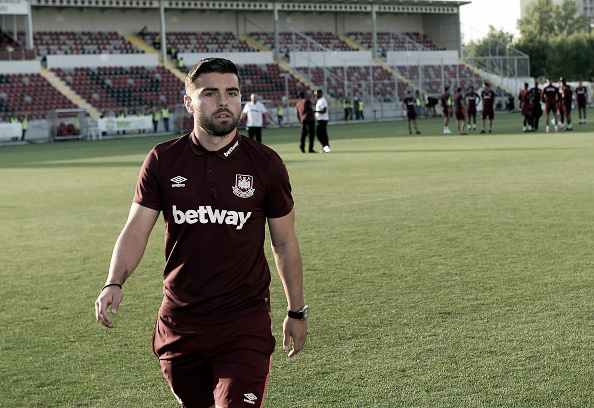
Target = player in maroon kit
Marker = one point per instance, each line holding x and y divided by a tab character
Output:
549	95
217	190
581	99
534	97
488	97
472	101
566	101
445	107
526	107
460	109
410	105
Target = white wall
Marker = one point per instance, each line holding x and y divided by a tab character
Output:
102	60
20	67
422	57
191	58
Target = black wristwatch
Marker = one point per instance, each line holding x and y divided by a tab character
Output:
300	314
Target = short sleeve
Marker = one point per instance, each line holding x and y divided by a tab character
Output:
279	200
148	193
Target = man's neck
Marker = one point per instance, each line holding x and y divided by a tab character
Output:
213	143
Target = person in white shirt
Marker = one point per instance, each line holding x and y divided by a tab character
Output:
322	117
255	112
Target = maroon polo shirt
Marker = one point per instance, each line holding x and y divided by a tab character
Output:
215	206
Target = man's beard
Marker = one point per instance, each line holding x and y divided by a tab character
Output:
217	128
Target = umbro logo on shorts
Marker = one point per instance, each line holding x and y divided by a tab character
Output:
250	398
177	181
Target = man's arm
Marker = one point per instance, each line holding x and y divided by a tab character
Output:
126	256
285	248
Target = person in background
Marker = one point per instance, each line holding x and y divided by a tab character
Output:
156	118
526	108
535	93
24	125
305	114
322	116
472	101
488	97
255	111
460	111
280	111
445	107
566	101
581	100
165	115
550	94
409	104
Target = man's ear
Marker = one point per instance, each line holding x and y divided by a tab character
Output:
188	104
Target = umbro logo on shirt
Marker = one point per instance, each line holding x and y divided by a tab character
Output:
250	398
178	181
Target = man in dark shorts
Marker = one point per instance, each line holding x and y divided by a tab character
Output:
566	101
305	114
445	107
526	108
488	97
581	99
410	105
460	109
472	101
534	97
216	189
549	95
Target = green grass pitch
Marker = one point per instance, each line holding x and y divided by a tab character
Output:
441	271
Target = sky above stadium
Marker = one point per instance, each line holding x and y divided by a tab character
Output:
478	15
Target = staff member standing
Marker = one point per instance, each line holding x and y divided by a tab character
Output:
305	114
255	111
322	116
217	190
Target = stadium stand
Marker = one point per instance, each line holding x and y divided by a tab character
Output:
268	81
388	41
11	49
432	75
204	42
112	89
290	42
83	42
29	94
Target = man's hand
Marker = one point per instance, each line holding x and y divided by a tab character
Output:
296	330
113	296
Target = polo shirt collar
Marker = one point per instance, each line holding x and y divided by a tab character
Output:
224	153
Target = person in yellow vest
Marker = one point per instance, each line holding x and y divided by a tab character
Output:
24	127
180	64
157	42
346	105
156	119
165	114
141	114
361	110
122	114
279	115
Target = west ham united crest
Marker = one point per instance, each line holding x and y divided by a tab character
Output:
244	186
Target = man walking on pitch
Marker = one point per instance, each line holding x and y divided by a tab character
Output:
488	97
305	114
566	101
410	105
216	190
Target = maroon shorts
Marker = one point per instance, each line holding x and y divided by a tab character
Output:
226	364
411	115
472	111
550	107
488	113
460	114
567	109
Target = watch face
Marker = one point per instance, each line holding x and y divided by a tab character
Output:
305	313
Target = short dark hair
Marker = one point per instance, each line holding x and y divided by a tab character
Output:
208	65
319	91
302	94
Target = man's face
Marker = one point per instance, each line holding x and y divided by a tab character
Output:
215	103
